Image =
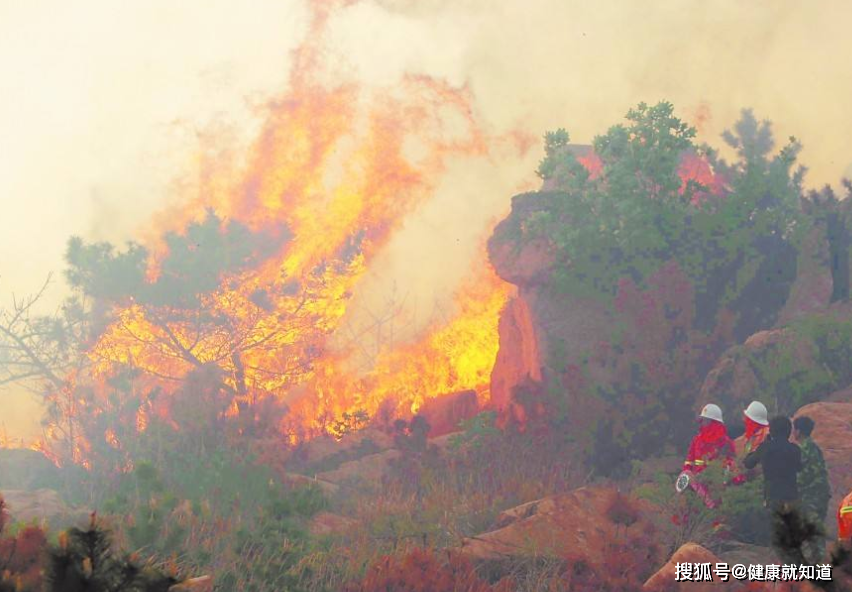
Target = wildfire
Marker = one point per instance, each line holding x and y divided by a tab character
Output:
454	355
331	176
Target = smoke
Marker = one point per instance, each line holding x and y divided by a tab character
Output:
103	105
581	65
538	66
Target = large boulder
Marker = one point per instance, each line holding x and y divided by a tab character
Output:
368	468
21	468
583	524
326	453
784	368
42	506
445	413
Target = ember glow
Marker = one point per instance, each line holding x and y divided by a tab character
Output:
332	175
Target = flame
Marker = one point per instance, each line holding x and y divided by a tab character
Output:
331	176
455	354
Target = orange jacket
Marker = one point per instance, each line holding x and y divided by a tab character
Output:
844	518
755	434
710	443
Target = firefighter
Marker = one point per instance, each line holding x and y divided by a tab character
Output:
756	421
756	426
844	521
711	441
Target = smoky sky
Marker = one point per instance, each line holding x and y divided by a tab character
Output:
105	105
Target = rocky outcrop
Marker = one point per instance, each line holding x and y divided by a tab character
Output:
325	453
445	413
518	358
42	506
784	368
369	469
582	524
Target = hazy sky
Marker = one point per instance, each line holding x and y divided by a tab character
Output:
102	103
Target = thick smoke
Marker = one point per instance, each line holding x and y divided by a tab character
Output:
104	105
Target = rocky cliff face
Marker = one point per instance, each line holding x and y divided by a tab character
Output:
652	342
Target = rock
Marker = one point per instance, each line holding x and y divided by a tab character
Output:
325	453
369	468
21	468
518	358
445	442
664	578
43	506
199	584
785	367
446	412
581	524
326	523
811	291
833	434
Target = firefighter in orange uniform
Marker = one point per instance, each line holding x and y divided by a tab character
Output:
711	441
756	420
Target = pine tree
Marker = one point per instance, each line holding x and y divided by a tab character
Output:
84	561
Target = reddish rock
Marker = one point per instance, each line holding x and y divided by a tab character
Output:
582	524
199	584
734	382
444	413
321	448
369	468
518	358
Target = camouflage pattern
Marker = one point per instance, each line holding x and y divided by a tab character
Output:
814	488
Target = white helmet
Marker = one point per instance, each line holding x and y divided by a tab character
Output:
713	412
756	411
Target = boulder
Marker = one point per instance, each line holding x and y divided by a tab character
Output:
583	524
445	413
43	506
199	584
21	468
784	368
664	578
368	468
325	453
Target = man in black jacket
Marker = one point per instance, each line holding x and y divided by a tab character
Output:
781	461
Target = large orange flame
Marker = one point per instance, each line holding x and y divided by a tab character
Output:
339	167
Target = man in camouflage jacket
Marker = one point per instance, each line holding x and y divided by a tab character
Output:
814	488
